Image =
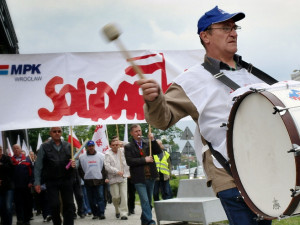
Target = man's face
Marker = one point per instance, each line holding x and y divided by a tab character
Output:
115	145
91	149
55	133
17	150
220	41
31	154
136	133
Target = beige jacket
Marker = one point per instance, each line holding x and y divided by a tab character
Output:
169	108
113	164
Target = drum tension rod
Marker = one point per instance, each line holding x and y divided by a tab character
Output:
224	125
295	192
258	218
278	109
295	149
257	90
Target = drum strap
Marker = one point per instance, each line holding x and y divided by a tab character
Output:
220	158
231	84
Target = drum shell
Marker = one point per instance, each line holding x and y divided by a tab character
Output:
247	135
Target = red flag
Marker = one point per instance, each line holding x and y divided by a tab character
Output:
76	142
100	139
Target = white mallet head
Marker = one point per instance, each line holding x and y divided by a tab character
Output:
111	32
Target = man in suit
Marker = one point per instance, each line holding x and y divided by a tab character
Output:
142	169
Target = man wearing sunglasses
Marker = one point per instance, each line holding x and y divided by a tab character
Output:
50	168
198	94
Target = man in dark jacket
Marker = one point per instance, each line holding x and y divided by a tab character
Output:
142	169
23	180
6	188
52	159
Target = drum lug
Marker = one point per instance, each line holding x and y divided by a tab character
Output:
280	110
224	125
295	149
257	90
258	218
295	191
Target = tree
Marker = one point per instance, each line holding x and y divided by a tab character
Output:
86	132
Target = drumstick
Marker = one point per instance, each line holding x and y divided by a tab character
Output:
112	34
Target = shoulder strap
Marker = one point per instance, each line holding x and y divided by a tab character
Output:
220	76
220	158
258	73
215	72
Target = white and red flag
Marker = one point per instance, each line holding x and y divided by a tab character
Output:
76	142
9	149
39	143
100	139
24	147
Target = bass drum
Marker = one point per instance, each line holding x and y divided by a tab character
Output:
259	140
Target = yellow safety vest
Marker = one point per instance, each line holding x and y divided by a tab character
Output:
162	165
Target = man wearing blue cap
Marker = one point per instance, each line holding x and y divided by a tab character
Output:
92	171
198	94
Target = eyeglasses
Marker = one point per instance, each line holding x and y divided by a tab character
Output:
226	29
56	131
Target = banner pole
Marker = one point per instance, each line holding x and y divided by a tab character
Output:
150	144
72	147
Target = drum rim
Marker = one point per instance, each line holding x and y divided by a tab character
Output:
293	134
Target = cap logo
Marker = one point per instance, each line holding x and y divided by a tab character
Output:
221	11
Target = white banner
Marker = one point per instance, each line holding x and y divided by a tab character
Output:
44	90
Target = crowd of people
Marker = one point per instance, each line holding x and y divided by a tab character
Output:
61	189
204	92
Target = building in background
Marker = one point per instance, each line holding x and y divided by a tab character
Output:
8	37
8	45
296	75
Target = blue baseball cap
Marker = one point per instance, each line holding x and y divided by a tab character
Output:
90	143
217	15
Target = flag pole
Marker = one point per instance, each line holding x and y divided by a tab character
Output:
117	128
106	133
150	144
72	147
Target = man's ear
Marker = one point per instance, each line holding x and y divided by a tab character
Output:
204	37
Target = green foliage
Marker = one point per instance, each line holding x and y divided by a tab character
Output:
33	135
174	183
86	132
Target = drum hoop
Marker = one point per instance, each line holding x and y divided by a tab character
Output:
293	134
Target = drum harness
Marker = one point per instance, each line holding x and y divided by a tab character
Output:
231	84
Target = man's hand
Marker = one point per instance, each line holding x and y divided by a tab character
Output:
149	159
73	163
120	173
151	136
150	89
37	188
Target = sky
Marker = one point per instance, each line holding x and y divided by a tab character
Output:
269	38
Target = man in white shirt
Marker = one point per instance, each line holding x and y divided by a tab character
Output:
118	171
92	171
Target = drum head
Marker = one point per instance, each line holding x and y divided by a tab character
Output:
258	142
